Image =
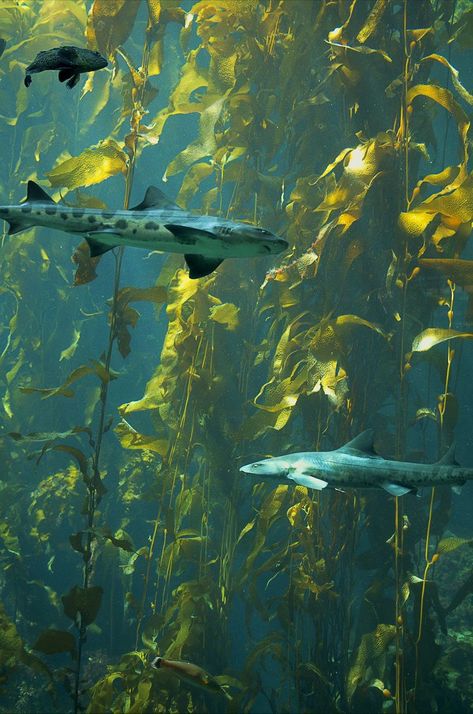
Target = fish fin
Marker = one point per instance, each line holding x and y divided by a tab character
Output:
156	663
308	481
73	81
35	193
199	265
97	247
27	80
363	442
155	198
17	227
457	489
66	74
395	489
448	459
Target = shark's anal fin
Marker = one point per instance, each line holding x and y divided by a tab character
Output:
35	193
199	265
17	227
155	198
395	489
308	481
96	246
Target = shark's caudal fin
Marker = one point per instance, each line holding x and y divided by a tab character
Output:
34	194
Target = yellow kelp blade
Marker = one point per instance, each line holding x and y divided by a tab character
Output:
93	165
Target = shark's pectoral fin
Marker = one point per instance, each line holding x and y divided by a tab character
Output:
199	265
395	489
99	247
308	481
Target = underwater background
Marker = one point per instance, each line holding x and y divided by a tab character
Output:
130	394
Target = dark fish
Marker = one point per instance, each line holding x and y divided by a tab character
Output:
70	61
191	673
2	46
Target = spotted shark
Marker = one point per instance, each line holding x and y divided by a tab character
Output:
357	465
155	224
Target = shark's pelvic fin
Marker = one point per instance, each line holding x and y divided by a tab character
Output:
66	74
199	265
308	481
395	489
96	246
448	459
155	198
363	442
35	193
17	227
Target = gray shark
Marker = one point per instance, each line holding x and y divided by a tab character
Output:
155	224
357	465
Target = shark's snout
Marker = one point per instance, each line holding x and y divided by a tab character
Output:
266	467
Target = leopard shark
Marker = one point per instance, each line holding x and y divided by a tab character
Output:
157	223
357	465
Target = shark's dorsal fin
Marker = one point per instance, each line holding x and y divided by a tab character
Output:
448	459
363	442
155	198
35	193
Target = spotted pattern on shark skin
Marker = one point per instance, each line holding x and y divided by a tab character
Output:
157	224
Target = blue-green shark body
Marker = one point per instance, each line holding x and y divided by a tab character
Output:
155	224
356	465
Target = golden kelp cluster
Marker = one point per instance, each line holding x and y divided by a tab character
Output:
125	526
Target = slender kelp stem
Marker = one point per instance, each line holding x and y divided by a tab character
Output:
94	486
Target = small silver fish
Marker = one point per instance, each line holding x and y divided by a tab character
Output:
191	673
70	61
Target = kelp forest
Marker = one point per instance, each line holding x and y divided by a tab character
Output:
132	394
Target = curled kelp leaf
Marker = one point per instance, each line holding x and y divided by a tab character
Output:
370	657
82	604
432	336
95	367
110	23
131	439
93	165
54	641
455	75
